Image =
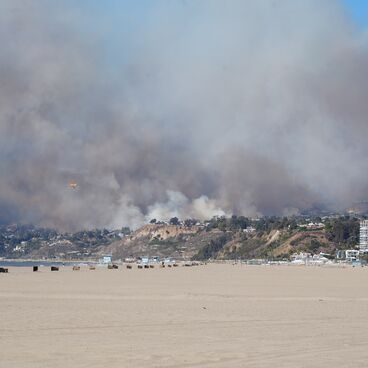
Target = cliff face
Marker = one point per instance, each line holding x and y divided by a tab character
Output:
187	242
162	232
276	244
163	241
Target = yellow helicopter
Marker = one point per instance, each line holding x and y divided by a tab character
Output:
73	184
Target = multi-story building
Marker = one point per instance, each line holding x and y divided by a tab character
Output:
363	236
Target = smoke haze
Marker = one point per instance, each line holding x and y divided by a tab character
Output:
196	109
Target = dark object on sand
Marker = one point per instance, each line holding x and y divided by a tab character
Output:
53	268
3	270
35	268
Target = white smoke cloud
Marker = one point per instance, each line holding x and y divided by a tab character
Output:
178	205
127	214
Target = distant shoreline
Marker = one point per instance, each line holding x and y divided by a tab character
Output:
45	260
37	262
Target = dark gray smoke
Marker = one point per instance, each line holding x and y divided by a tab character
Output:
202	108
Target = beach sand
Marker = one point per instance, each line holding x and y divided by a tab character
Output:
206	316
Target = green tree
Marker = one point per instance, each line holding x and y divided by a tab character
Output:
174	221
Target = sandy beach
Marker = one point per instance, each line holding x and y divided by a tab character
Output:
207	316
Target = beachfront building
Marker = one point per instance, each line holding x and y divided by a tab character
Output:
144	261
300	258
106	259
363	236
351	255
309	259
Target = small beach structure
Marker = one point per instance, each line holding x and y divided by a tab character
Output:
106	259
144	260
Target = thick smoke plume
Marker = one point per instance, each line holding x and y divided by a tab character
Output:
199	108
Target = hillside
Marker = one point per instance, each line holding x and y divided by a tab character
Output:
201	244
238	237
163	240
219	238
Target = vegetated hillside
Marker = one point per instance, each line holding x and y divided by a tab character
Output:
162	240
29	242
239	237
278	238
219	238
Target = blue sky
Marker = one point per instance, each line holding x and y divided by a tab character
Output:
136	10
139	8
358	10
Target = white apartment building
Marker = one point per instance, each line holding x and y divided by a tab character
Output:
363	235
